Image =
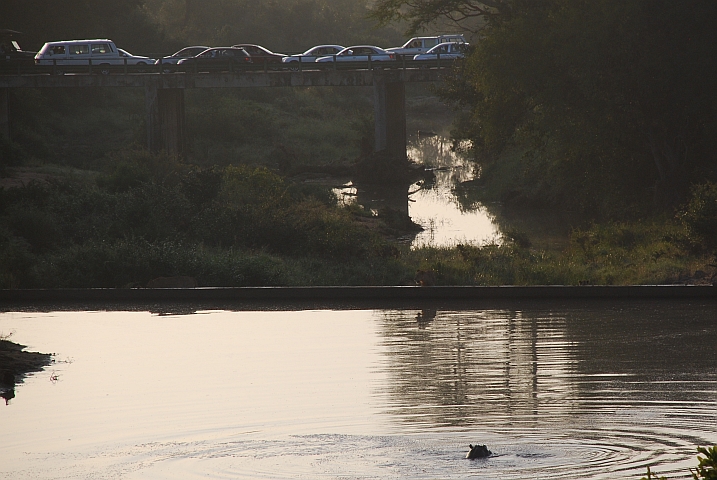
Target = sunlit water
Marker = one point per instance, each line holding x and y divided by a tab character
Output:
555	391
444	220
433	205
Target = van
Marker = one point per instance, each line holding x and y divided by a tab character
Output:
418	45
101	53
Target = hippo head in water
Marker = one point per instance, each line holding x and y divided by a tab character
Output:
478	451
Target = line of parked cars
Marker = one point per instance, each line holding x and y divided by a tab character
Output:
102	55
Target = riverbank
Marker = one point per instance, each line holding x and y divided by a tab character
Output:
15	363
242	226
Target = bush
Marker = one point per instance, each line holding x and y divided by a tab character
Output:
700	215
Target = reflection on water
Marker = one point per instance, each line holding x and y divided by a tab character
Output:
431	204
445	220
595	391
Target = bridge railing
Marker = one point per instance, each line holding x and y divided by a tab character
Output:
124	68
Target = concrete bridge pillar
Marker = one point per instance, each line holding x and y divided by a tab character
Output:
390	117
4	113
165	119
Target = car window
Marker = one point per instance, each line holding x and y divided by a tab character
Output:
101	48
431	42
58	50
79	49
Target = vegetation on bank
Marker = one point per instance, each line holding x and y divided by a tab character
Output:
150	216
706	468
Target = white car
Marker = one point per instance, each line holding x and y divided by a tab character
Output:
418	45
447	51
135	59
310	56
359	53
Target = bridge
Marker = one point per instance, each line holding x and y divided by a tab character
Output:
164	95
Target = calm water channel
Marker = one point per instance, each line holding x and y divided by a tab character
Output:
557	391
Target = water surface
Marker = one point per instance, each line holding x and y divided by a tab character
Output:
596	391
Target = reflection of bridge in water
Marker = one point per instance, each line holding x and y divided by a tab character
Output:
468	368
164	96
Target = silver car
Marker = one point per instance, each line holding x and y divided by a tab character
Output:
135	59
359	53
447	51
292	62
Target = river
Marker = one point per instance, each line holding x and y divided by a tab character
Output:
555	390
447	218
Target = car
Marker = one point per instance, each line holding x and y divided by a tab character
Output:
447	51
292	61
359	53
262	56
217	59
12	57
135	59
99	54
186	52
418	45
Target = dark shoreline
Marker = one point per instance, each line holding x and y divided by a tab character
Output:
364	295
15	364
359	293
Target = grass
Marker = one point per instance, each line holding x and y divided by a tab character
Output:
151	216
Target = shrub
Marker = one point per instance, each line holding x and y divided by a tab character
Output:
700	215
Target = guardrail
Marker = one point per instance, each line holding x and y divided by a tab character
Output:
97	68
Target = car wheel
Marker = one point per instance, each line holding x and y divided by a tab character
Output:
141	66
294	66
104	69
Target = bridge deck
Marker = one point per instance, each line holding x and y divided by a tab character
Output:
324	78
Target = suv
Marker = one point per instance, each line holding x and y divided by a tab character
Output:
12	57
418	45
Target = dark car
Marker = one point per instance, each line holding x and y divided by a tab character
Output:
13	59
186	52
217	59
263	56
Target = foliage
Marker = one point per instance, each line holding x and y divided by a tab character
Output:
700	215
422	14
592	105
707	468
154	216
651	476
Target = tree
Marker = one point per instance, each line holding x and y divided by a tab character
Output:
468	15
596	104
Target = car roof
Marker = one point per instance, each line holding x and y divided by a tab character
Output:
364	46
324	46
242	45
81	41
